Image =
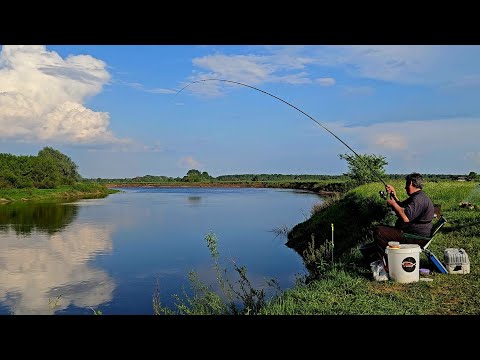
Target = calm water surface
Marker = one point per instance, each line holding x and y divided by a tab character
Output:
109	254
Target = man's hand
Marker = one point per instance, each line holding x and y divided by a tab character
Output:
399	211
391	192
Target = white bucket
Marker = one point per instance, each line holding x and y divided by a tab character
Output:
404	263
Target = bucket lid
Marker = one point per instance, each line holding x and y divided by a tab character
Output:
404	249
409	246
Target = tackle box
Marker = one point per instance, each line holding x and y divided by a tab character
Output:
456	261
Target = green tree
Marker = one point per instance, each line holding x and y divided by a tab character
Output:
45	173
365	168
473	175
63	164
193	172
193	175
48	169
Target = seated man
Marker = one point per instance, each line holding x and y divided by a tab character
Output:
414	215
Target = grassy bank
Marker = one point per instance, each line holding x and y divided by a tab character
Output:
348	287
77	191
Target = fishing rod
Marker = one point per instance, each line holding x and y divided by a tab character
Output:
382	194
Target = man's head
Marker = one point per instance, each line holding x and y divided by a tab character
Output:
413	183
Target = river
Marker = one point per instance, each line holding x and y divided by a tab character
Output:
110	254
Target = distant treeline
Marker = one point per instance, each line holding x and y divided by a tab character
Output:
278	177
49	169
197	176
435	177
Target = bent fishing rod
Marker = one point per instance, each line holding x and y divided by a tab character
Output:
382	194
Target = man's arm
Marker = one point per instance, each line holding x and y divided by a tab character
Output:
399	211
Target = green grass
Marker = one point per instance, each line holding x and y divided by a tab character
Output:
79	190
349	288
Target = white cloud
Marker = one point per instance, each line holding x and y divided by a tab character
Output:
466	81
400	63
160	91
408	64
447	66
134	85
188	162
131	147
156	147
244	68
42	96
474	157
274	67
141	87
289	56
391	141
418	143
74	123
444	134
389	62
328	81
294	79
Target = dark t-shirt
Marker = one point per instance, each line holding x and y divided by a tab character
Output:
419	211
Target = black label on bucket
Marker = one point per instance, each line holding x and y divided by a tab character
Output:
409	264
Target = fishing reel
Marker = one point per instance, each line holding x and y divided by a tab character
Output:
384	195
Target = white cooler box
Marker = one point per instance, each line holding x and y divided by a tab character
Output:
456	261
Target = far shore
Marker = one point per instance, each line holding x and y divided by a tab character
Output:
324	189
96	190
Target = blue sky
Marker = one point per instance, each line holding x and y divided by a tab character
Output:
116	112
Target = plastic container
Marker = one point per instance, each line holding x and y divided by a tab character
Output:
404	263
424	272
378	270
456	261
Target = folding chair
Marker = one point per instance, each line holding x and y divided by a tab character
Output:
430	256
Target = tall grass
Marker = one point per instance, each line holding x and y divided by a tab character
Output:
236	297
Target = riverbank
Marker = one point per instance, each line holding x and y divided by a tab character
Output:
324	188
77	191
347	287
94	190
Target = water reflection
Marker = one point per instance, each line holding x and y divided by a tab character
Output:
24	218
108	254
44	260
194	200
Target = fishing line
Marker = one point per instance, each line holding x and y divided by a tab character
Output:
296	108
